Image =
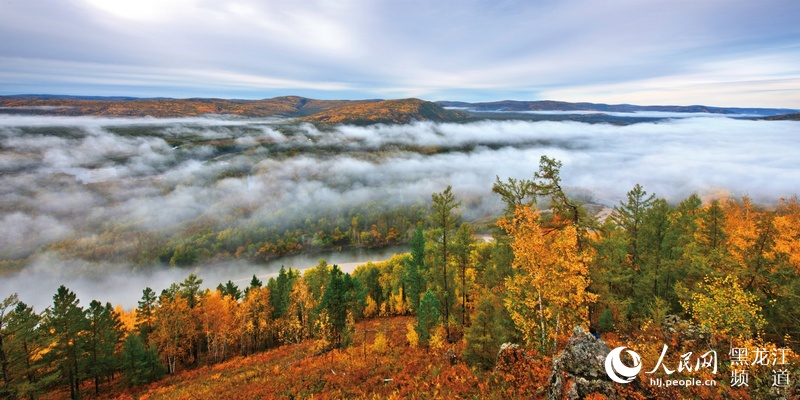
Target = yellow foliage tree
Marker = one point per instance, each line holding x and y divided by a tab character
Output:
217	314
371	309
547	294
787	223
174	331
725	309
380	343
254	320
412	336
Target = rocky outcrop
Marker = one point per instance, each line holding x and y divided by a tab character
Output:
579	370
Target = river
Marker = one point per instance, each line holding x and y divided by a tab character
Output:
121	285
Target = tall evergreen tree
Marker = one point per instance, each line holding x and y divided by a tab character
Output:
144	313
29	374
279	291
67	322
338	302
463	243
491	327
629	216
190	289
6	308
414	267
444	221
140	364
427	316
255	283
658	241
104	333
547	183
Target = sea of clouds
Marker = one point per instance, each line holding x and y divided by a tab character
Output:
61	176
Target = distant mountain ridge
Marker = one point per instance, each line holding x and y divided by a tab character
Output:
785	117
549	105
288	106
388	112
358	112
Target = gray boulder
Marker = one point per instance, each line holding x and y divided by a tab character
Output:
579	370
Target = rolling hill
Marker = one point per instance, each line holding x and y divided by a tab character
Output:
357	112
548	105
388	112
287	106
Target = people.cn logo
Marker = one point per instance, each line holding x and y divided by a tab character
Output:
617	370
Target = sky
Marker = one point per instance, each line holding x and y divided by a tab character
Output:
712	52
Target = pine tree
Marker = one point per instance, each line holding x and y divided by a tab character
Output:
515	193
104	333
29	374
463	243
144	313
6	308
658	240
547	182
230	289
338	303
140	364
280	289
491	327
427	316
67	322
629	216
255	283
414	267
444	221
190	289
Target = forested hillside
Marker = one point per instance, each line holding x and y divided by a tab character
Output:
726	268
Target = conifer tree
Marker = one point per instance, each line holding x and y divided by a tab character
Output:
427	316
629	216
104	333
491	327
29	372
140	363
255	283
444	221
230	289
144	313
338	303
6	308
463	243
414	268
67	322
190	289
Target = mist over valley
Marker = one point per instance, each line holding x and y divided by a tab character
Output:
103	198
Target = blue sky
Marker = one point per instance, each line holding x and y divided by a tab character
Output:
714	52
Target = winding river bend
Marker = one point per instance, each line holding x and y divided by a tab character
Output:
120	285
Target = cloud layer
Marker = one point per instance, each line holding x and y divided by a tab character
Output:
65	178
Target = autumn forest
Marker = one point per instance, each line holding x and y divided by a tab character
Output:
727	266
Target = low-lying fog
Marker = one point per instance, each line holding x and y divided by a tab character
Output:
65	177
